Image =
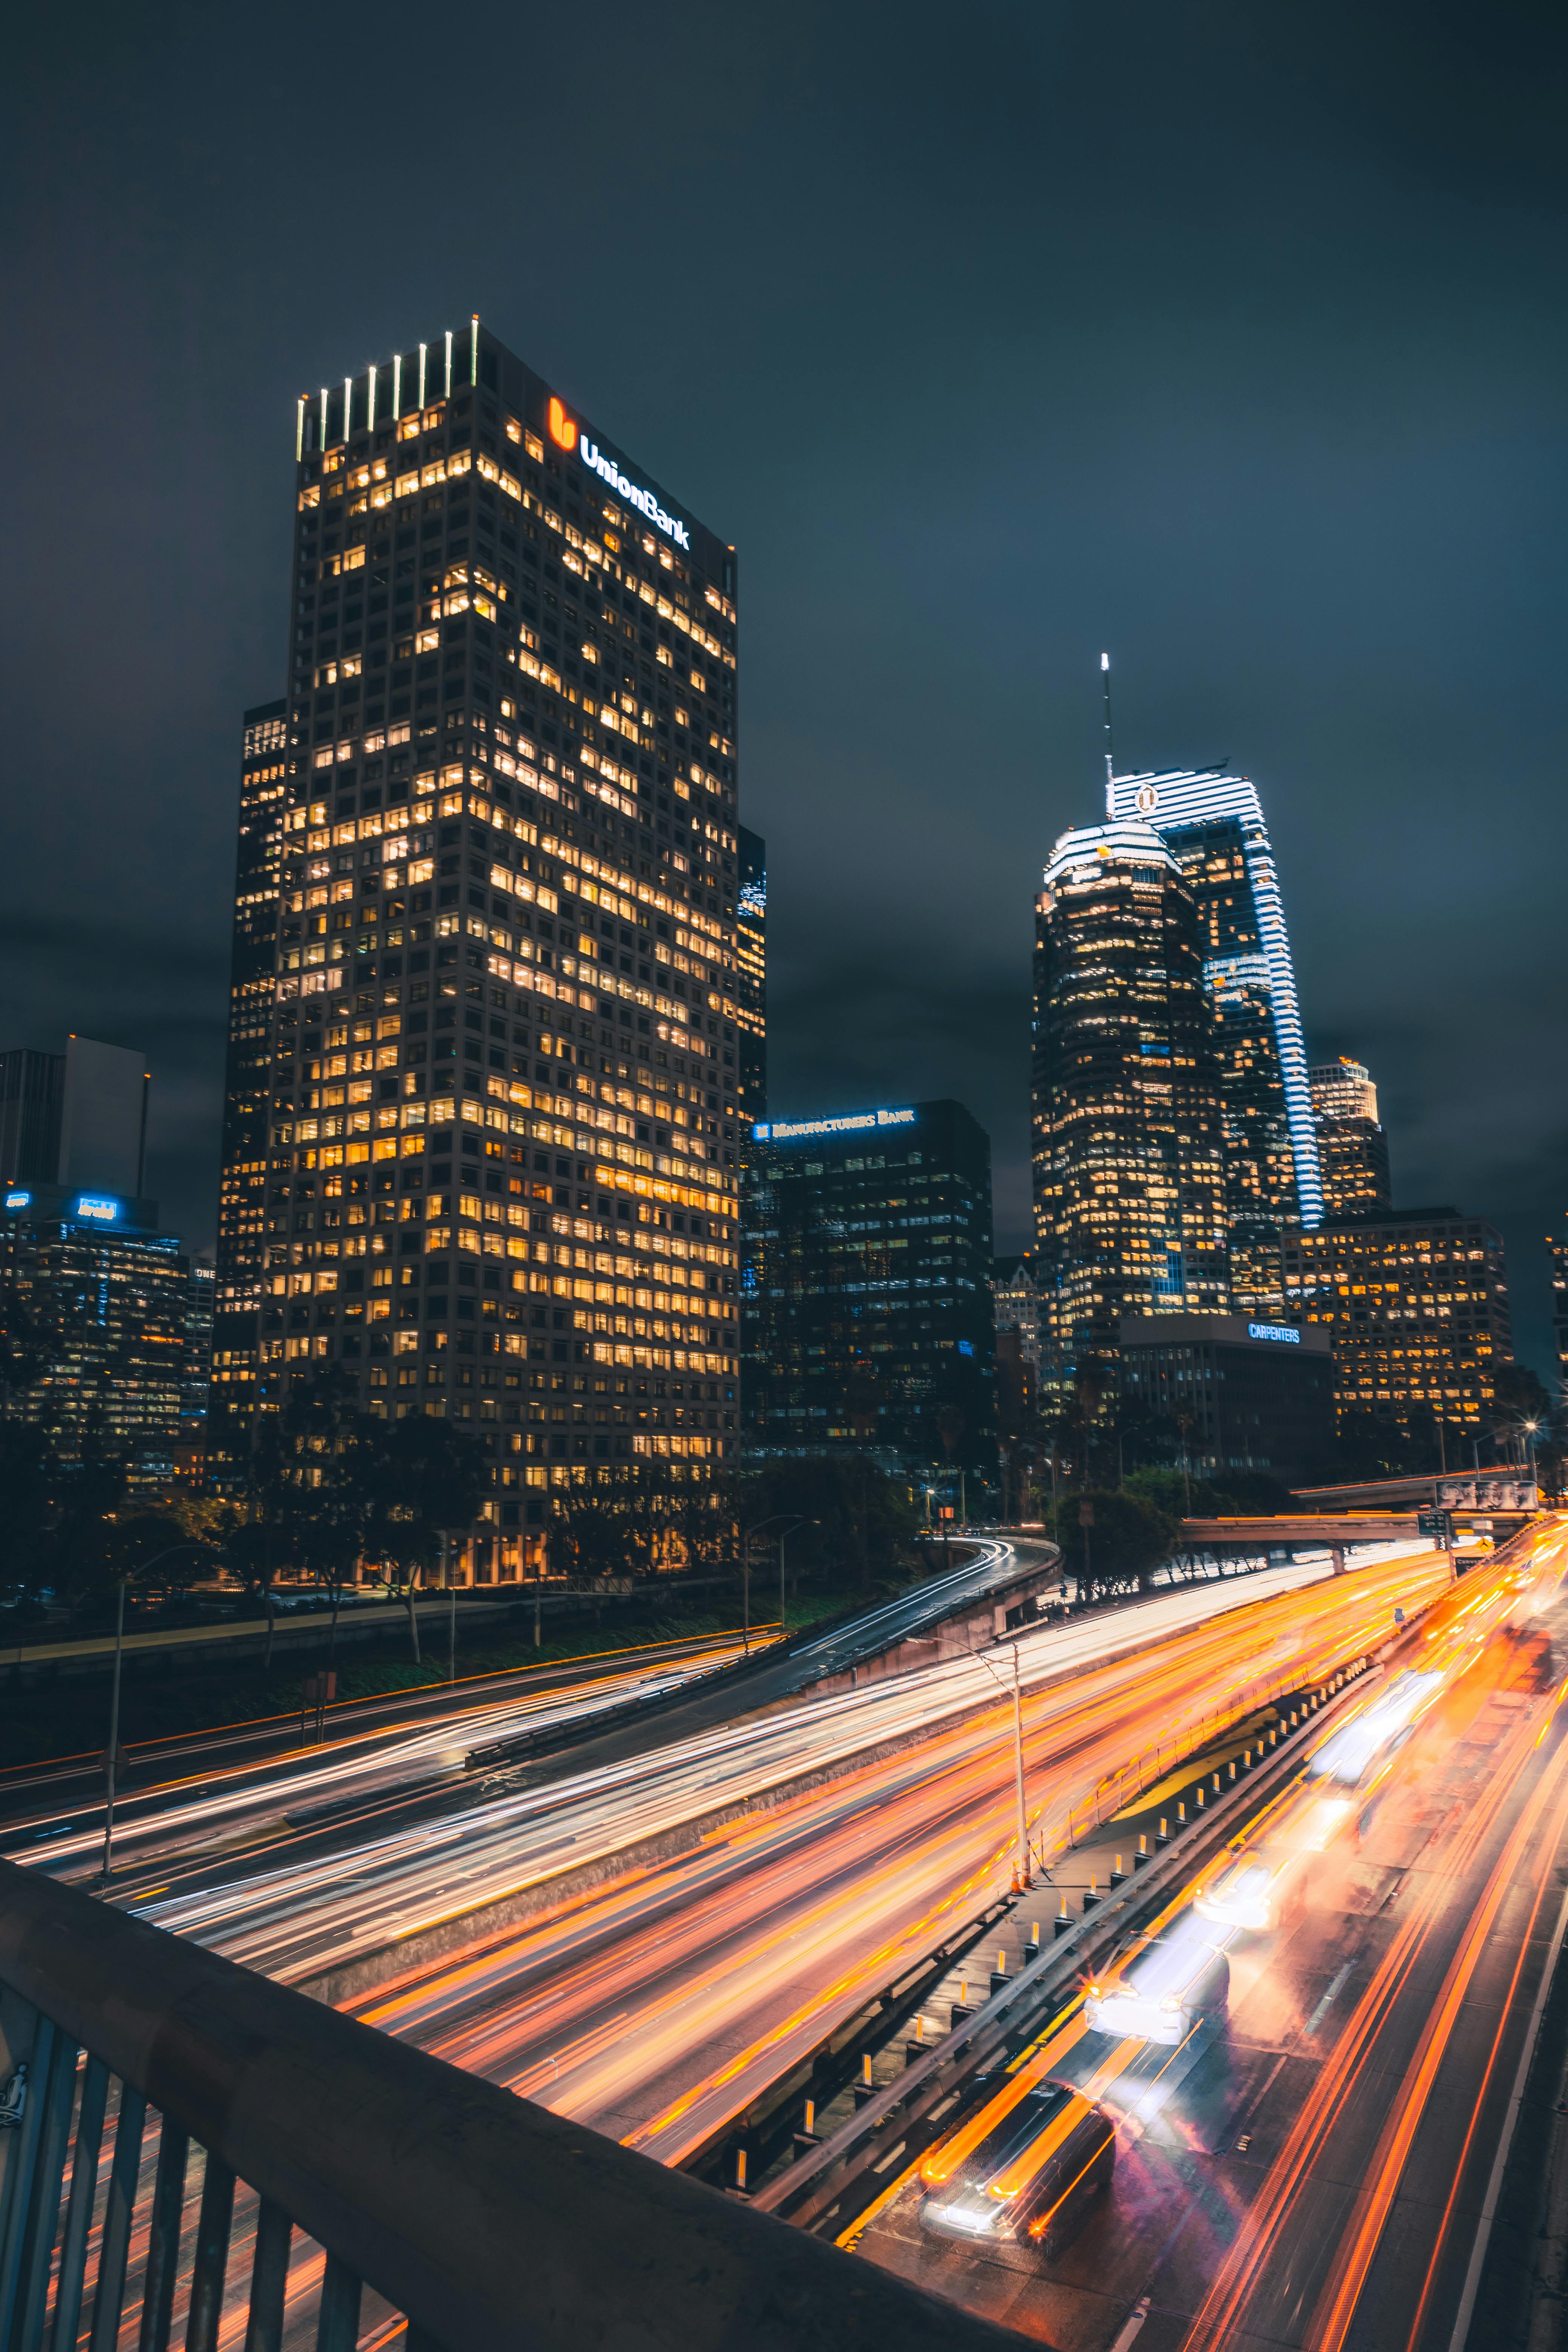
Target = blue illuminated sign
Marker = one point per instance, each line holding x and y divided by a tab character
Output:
96	1206
17	1200
853	1123
1284	1331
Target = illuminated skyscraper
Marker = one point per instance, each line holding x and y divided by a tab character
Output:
751	979
481	1148
1128	1143
1213	823
1352	1148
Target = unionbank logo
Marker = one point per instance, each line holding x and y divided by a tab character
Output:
567	434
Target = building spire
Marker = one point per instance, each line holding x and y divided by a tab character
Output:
1109	773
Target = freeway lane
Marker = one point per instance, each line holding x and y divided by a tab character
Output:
364	1771
1311	2174
297	1918
657	2006
43	1802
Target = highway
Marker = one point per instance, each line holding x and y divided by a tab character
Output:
61	1794
1310	2171
410	1741
652	2000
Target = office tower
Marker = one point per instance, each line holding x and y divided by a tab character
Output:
195	1371
1245	1395
1017	1303
1128	1144
1352	1148
103	1118
108	1296
751	979
499	1078
32	1094
1559	1249
866	1287
1416	1303
77	1118
264	809
1214	826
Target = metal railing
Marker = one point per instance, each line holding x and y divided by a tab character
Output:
447	2215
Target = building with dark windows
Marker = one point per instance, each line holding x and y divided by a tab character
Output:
1213	823
1415	1305
866	1289
482	1148
1559	1249
110	1300
75	1118
1128	1129
1242	1394
31	1099
1352	1148
752	978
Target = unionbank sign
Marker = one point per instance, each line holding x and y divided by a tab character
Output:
567	434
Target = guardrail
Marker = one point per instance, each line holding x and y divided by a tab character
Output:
486	2223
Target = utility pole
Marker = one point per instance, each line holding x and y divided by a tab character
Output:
1021	1877
111	1760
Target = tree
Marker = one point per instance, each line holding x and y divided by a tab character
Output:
422	1481
28	1476
1131	1535
306	1497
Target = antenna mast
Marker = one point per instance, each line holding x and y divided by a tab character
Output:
1110	772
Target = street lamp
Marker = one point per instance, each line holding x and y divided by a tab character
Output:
114	1695
1021	1878
797	1519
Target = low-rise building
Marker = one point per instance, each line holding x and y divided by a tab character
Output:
1245	1395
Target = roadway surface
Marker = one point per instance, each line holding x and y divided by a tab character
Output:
381	1752
1311	2172
655	2004
35	1798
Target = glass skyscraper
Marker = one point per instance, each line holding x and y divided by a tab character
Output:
1213	824
1128	1128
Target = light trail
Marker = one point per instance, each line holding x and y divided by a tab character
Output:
246	1798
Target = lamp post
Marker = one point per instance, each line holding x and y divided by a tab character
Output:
796	1519
1021	1878
112	1759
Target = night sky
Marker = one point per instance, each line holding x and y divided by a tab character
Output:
1229	337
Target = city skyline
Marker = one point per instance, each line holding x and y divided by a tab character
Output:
1283	571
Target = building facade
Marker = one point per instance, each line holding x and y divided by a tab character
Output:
77	1118
866	1284
752	980
32	1100
482	1142
1128	1122
1559	1249
109	1298
1017	1304
1245	1395
1213	823
1352	1148
1415	1302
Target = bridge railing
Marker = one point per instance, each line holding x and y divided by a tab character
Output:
447	2214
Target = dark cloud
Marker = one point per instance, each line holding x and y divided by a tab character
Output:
1229	338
